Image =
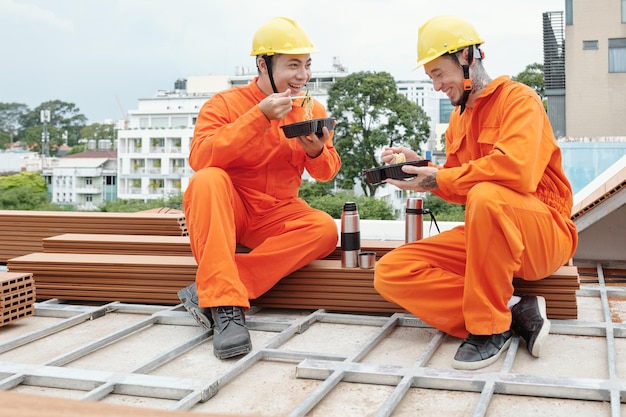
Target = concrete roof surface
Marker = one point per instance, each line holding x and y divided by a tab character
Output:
312	363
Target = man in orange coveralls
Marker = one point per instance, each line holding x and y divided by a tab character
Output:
245	187
503	162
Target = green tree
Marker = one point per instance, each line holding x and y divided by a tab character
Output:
24	191
10	127
310	189
132	206
32	180
444	211
532	76
99	131
371	114
22	198
65	125
369	207
95	131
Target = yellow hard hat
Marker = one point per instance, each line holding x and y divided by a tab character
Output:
444	34
281	35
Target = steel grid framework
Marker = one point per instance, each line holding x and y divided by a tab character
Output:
187	393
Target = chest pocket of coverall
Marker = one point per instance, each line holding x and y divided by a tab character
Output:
454	147
486	139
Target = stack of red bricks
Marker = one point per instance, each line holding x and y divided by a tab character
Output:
17	296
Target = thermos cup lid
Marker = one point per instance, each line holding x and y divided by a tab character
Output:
413	203
349	206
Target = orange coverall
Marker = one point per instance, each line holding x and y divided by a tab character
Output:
505	165
245	190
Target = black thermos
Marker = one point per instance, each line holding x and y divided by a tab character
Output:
350	236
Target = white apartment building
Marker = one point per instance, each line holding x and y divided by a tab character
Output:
435	103
83	183
152	151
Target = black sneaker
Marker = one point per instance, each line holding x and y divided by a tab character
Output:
478	351
230	335
531	323
189	298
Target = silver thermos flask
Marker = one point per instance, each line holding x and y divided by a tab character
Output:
413	220
350	236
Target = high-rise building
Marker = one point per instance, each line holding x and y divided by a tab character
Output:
595	62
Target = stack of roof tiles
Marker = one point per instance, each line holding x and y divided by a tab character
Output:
23	231
145	257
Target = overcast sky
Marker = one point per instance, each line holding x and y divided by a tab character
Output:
91	52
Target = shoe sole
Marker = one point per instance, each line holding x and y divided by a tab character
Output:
544	331
232	352
472	366
185	296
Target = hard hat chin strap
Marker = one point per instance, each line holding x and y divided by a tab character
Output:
467	81
268	64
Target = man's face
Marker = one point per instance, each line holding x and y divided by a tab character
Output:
291	72
447	77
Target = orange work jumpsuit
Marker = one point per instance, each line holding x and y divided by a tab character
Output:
505	165
245	190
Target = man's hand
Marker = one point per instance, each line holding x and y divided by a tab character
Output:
276	106
425	179
312	145
389	153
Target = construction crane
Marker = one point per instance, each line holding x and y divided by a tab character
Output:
124	114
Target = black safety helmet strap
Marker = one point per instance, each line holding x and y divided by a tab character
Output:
268	64
467	81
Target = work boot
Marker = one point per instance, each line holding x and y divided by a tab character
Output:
202	315
478	351
230	334
531	323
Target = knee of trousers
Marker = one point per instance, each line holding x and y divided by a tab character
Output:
484	197
382	271
208	179
328	229
322	229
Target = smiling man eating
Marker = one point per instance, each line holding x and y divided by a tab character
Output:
245	188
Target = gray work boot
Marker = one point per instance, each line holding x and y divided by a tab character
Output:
478	351
530	321
230	334
189	297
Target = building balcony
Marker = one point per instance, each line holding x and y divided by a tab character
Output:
88	190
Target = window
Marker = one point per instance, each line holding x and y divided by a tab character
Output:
445	110
590	45
179	121
623	11
617	55
569	13
159	122
88	181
